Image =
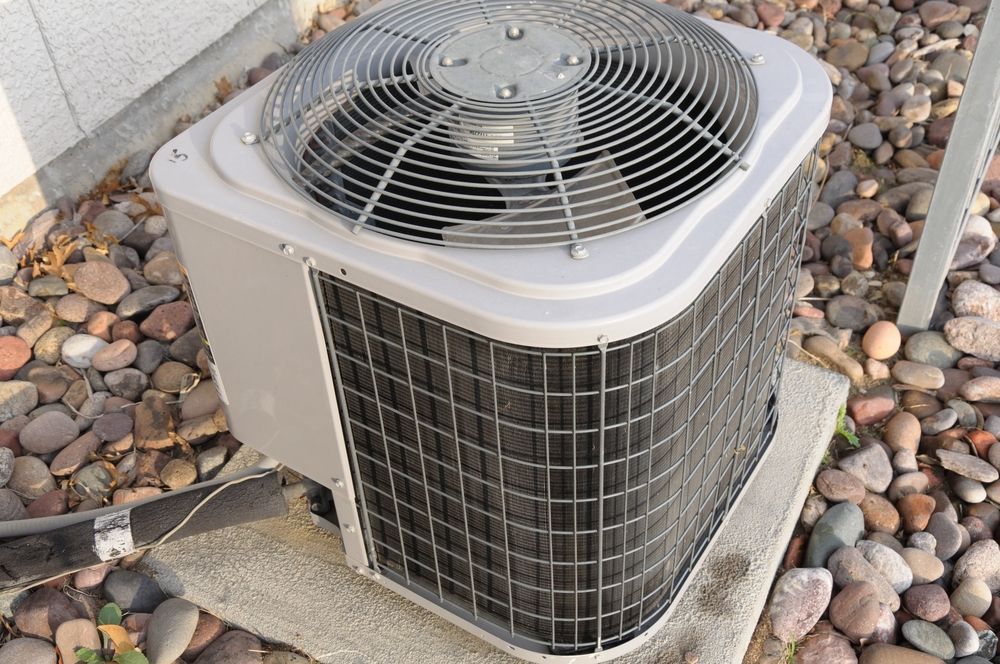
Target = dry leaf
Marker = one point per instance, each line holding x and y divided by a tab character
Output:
223	87
109	184
12	242
118	636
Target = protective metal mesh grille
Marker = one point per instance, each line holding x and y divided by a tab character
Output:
425	120
512	483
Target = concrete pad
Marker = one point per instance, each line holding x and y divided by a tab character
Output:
288	582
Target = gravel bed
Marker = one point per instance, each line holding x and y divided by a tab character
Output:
106	397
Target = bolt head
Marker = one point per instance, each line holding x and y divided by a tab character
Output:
338	483
573	60
447	61
249	138
757	59
287	249
579	251
514	32
309	261
505	92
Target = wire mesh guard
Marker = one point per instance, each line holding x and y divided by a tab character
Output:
547	491
499	123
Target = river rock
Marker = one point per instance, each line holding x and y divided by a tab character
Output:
929	602
855	610
980	561
31	477
888	563
931	348
17	397
170	630
42	612
101	281
800	597
972	597
27	651
133	591
871	466
929	638
967	465
947	535
75	634
848	565
49	432
233	647
842	525
976	336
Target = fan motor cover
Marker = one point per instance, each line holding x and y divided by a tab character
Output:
512	280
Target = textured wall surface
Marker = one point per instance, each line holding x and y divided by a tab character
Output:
36	122
67	67
108	52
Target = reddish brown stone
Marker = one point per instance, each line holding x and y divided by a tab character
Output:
126	329
796	551
208	630
168	321
14	354
101	324
981	441
915	510
9	440
52	503
928	602
870	408
880	515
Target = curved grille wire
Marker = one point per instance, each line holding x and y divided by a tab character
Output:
660	108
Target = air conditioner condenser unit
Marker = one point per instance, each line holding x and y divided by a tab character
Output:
512	279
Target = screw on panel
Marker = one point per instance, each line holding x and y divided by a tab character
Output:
287	249
573	60
447	61
514	32
506	92
602	342
757	59
338	483
349	528
249	138
309	261
579	252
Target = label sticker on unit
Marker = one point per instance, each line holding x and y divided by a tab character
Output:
113	535
212	369
217	379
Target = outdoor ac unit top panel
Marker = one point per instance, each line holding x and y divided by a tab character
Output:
630	283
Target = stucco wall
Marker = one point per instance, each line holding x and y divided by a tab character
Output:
73	74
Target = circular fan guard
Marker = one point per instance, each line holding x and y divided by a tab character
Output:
569	120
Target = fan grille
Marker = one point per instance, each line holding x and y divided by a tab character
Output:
490	123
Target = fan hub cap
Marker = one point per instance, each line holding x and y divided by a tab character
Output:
509	63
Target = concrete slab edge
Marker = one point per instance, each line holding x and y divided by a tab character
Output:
287	581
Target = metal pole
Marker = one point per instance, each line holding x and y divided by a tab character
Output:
972	143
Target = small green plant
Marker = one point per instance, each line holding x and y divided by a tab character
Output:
115	638
790	652
842	429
